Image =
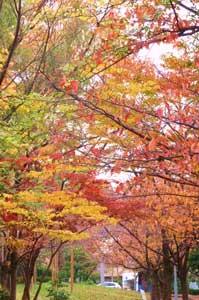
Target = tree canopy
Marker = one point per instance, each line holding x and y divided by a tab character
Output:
92	132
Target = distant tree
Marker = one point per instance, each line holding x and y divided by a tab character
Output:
84	266
194	264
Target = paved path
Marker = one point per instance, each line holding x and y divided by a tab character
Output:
143	295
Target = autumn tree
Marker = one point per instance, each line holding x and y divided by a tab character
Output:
37	149
153	234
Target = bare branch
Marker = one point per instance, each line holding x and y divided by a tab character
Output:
188	8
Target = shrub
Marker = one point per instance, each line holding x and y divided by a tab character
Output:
57	293
193	292
42	269
94	277
63	276
4	295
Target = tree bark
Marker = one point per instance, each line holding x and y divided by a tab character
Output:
26	291
4	268
155	293
13	276
183	271
29	273
166	286
5	284
167	270
55	268
34	278
184	287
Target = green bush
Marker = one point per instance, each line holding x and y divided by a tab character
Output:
57	292
193	292
42	269
63	276
54	294
94	277
4	295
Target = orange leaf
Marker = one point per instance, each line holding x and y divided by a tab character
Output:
153	143
74	86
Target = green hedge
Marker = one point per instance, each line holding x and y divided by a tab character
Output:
193	292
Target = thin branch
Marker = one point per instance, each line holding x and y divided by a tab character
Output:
125	250
14	44
188	8
175	13
1	5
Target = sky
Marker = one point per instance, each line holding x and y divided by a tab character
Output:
155	52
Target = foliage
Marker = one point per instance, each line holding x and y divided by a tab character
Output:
40	270
78	100
84	266
193	292
4	295
194	262
57	293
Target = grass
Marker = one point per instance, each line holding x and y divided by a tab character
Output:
88	292
83	292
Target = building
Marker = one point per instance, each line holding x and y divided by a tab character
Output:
126	277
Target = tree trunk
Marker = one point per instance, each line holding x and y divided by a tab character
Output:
167	270
13	284
34	278
55	269
182	273
26	291
166	287
5	263
13	276
184	287
155	293
5	282
29	272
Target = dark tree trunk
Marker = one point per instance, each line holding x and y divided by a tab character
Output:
182	273
26	291
166	286
167	270
13	276
5	269
184	287
5	279
155	293
29	272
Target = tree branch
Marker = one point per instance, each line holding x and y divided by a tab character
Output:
14	44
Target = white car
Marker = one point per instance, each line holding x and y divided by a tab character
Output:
110	284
